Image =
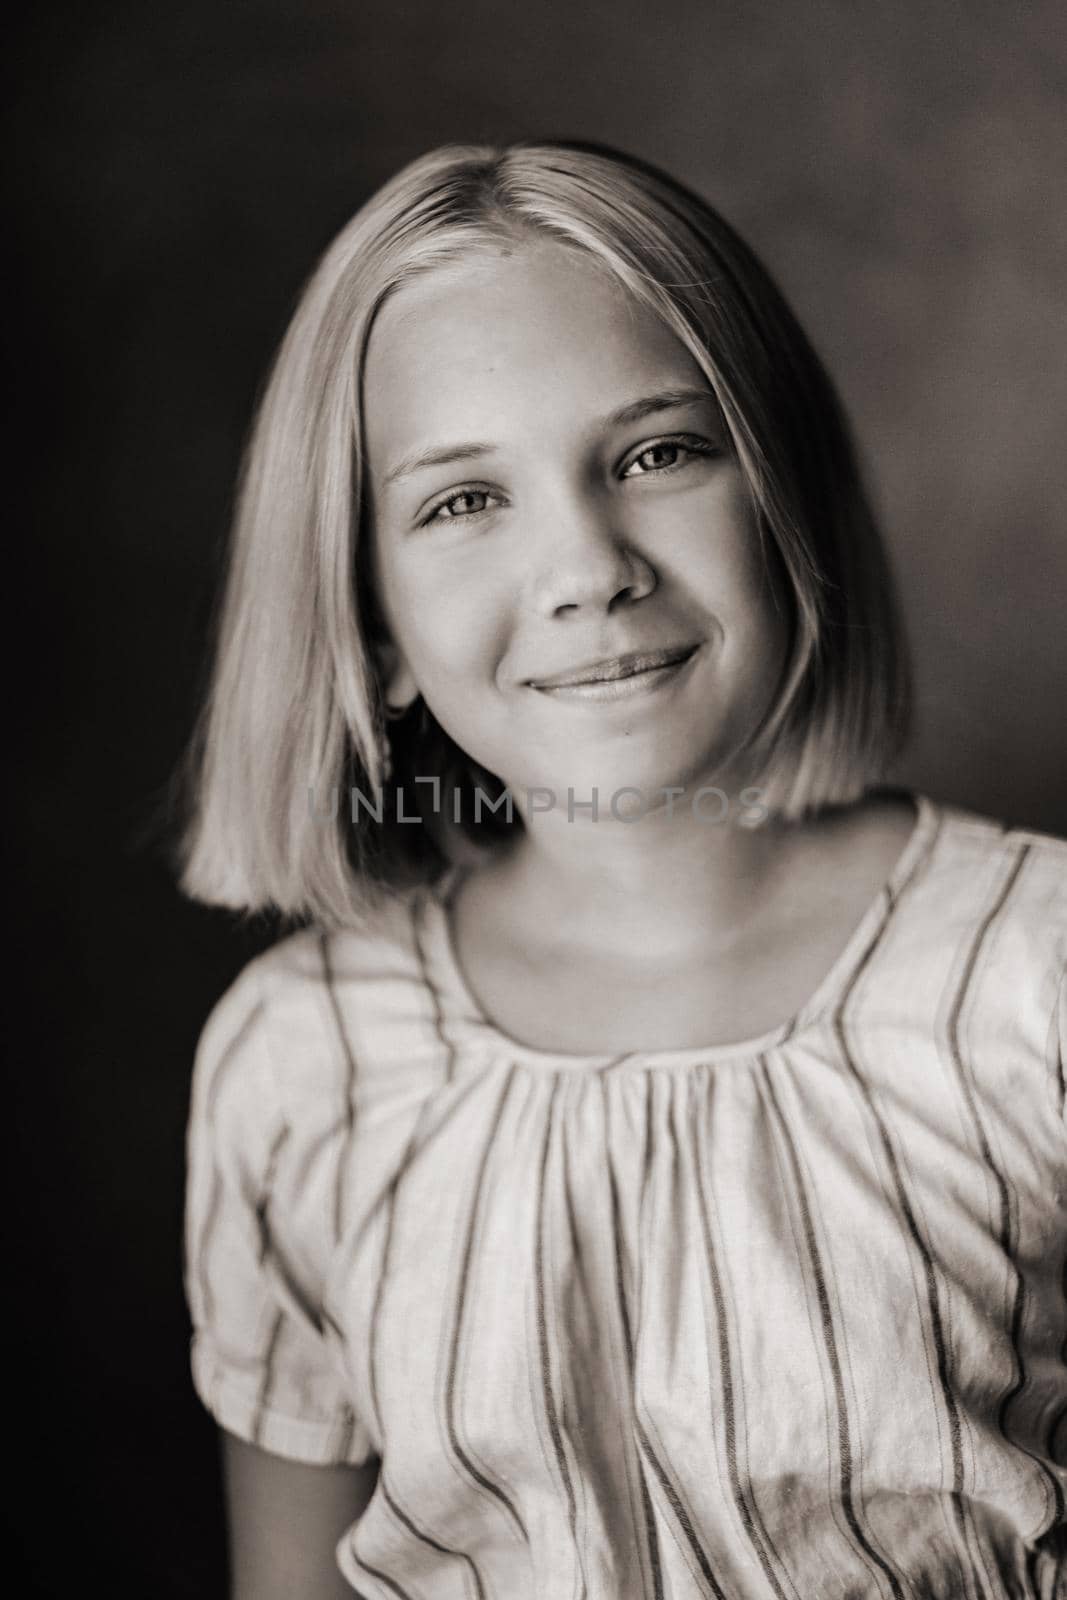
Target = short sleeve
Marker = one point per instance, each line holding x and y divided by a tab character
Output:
260	1362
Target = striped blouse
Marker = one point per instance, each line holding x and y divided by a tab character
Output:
779	1318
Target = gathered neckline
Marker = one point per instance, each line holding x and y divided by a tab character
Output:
468	1024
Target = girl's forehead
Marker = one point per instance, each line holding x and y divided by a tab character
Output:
539	325
503	294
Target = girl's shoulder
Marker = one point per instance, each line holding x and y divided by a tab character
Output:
961	872
319	1010
985	906
985	865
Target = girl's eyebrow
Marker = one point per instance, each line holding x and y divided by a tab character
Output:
633	411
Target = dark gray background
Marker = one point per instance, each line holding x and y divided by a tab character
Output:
173	173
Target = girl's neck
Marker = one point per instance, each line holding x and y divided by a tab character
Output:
681	890
609	886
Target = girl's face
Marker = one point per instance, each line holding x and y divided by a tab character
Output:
550	485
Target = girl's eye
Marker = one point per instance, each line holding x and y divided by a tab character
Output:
463	504
452	509
674	450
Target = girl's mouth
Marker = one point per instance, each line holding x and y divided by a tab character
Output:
624	678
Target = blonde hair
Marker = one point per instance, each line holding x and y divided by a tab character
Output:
294	708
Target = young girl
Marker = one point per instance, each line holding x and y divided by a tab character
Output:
644	1171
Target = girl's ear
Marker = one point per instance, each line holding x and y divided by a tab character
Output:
399	689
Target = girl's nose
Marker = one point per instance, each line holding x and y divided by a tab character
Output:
589	565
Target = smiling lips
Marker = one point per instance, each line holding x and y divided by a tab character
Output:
615	667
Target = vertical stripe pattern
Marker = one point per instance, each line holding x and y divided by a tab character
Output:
765	1320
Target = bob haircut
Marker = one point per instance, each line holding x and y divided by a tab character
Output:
294	720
